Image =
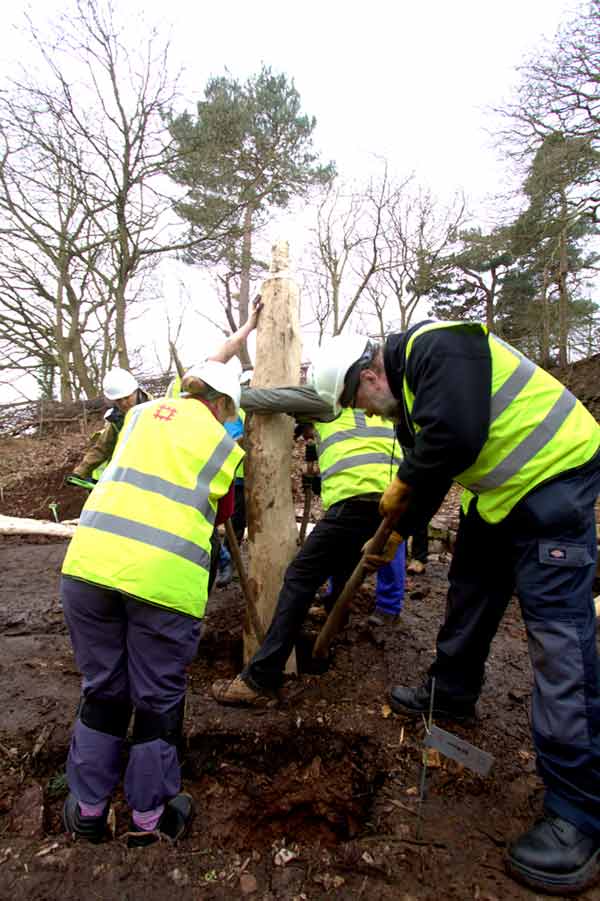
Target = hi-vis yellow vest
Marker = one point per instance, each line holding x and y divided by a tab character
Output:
145	529
357	455
537	430
174	387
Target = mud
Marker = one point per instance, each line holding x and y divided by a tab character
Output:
314	799
327	783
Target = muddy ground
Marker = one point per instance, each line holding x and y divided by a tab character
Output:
317	798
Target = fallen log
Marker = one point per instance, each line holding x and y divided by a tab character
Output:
14	525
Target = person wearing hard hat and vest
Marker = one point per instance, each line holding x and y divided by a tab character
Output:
134	588
472	409
339	462
357	458
121	388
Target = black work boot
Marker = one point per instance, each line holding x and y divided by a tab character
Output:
554	857
173	824
415	701
93	829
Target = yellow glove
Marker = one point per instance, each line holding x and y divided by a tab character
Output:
371	562
394	500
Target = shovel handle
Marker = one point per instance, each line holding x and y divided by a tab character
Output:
333	623
247	591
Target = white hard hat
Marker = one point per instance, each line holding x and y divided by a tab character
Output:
246	376
220	377
331	364
118	383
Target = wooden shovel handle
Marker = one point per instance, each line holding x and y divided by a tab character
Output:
247	591
334	621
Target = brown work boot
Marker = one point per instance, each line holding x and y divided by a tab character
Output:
416	568
236	693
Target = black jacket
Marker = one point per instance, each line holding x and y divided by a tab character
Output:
449	372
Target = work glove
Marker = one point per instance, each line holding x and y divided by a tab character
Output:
78	482
395	499
372	562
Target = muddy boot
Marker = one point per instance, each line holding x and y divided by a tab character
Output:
237	693
378	619
224	575
172	826
555	857
416	701
92	829
381	625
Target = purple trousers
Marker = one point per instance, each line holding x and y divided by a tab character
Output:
127	651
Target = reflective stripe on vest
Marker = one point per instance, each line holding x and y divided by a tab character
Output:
196	497
239	473
146	528
355	456
537	429
129	528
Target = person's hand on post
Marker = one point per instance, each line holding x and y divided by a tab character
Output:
257	306
395	499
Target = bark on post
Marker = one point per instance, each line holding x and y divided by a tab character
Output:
272	531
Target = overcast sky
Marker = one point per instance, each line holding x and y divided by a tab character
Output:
407	81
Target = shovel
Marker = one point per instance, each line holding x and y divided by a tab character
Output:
335	620
246	590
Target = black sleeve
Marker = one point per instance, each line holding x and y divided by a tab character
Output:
449	372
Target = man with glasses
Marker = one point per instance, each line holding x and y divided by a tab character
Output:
472	409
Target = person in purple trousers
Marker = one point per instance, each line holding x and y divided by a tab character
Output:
134	586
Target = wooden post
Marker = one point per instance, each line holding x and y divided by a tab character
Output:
272	531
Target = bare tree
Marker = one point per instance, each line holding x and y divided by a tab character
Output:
345	254
83	207
419	235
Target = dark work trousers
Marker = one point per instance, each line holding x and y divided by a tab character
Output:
420	545
127	651
333	549
545	552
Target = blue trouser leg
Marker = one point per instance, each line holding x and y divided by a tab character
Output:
389	591
161	644
555	573
126	650
481	583
97	625
547	546
332	548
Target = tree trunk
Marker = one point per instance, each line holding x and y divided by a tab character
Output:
545	322
272	531
62	344
244	300
120	340
563	298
